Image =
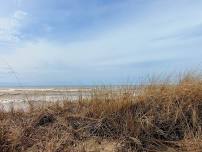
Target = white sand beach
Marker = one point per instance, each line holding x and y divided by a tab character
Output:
18	98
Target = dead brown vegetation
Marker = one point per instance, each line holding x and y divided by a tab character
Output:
159	117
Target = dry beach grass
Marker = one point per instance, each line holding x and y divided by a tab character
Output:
160	117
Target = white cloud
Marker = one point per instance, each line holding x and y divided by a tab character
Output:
10	27
19	15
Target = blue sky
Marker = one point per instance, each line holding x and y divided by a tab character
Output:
80	42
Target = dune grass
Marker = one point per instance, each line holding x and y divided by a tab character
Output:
154	117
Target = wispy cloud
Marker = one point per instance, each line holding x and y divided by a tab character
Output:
10	27
78	42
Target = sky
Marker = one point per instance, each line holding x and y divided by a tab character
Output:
90	42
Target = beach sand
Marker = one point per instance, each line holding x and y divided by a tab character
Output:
19	98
